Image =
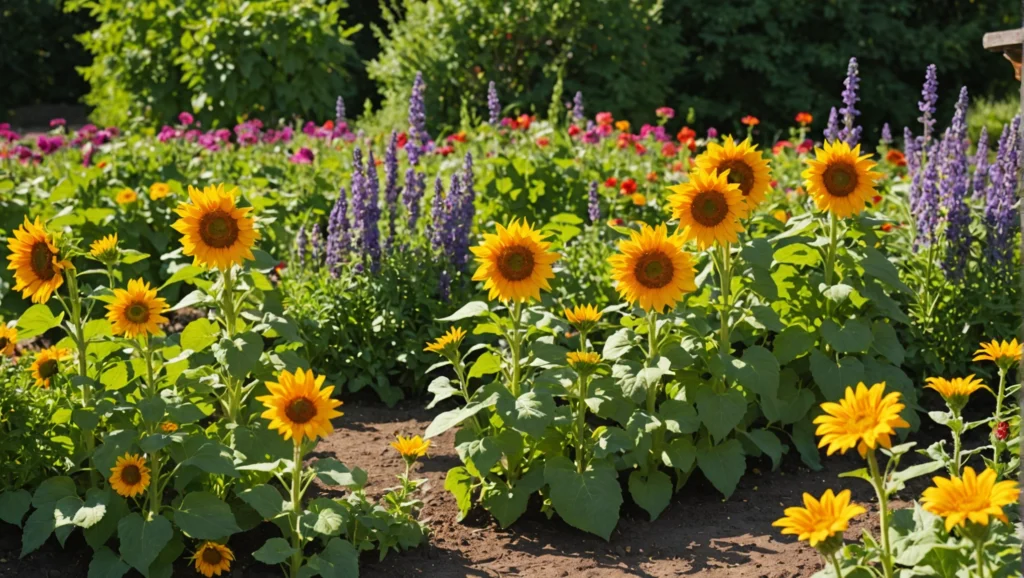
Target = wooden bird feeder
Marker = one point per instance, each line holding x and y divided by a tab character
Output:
1008	42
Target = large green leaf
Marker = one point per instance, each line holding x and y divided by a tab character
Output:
680	454
723	464
651	492
265	499
886	342
204	516
38	527
482	453
679	416
720	412
508	504
106	564
768	443
758	371
853	337
199	334
793	342
876	265
530	413
332	472
460	483
240	354
590	500
338	560
274	551
13	505
37	320
142	540
833	378
471	309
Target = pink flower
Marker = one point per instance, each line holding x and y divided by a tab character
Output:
303	156
665	112
185	118
57	122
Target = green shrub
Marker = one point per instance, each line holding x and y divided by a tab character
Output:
992	114
221	59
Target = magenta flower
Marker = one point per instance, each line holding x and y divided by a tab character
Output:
665	112
303	156
185	118
55	122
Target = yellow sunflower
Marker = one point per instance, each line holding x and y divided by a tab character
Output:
105	249
298	407
159	191
583	361
955	391
36	262
820	520
747	168
136	311
652	268
411	448
126	196
216	232
447	343
974	498
514	263
47	364
212	558
840	179
1005	354
583	317
864	418
129	477
8	339
709	208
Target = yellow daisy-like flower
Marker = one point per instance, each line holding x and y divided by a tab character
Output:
638	199
298	406
129	477
652	268
955	391
448	342
583	361
105	249
974	498
709	208
748	169
136	311
8	339
515	263
126	196
1003	353
216	232
411	448
47	364
840	179
864	418
212	558
583	317
168	427
159	191
820	520
36	262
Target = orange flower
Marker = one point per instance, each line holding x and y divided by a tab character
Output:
543	141
639	200
750	120
896	158
804	118
652	177
686	134
622	125
886	227
605	118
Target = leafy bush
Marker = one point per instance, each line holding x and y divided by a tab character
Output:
221	60
33	435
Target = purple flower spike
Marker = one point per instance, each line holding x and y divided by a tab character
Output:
886	139
980	165
593	203
832	128
929	96
391	186
577	106
850	132
493	105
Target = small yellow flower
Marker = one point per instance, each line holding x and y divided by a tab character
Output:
448	343
130	476
126	196
105	249
955	391
583	317
1005	354
159	191
971	498
168	427
781	216
583	361
8	339
411	448
622	125
212	558
864	418
638	199
47	365
820	520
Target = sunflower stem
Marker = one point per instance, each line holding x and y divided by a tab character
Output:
957	424
460	372
725	278
296	561
514	344
78	324
883	512
652	352
830	259
999	411
581	424
835	565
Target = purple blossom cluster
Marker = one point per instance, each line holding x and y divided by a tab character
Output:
577	106
338	237
850	132
593	203
493	104
391	189
1000	215
886	137
953	193
980	177
412	194
832	128
247	133
418	136
339	112
929	96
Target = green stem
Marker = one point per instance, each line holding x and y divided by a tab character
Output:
581	424
78	325
956	444
460	373
228	298
830	258
155	488
652	351
979	550
515	344
883	512
725	278
296	561
999	412
836	566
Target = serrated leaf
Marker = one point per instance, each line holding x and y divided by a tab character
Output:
204	516
720	412
199	334
590	500
758	371
853	337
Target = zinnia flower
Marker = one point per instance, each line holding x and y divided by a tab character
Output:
864	419
750	121
126	196
972	498
515	262
896	158
804	118
665	112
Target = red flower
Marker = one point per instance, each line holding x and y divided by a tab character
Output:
887	227
378	162
652	177
677	166
805	147
446	150
543	141
1002	431
280	266
780	146
605	118
804	118
686	134
624	141
611	182
896	157
628	187
669	150
457	137
574	130
524	121
665	112
640	149
750	120
876	199
402	140
615	222
329	125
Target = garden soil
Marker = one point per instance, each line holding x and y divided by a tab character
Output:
699	534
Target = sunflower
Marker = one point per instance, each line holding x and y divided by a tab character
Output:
1005	354
159	191
126	196
8	339
216	232
136	311
840	179
105	249
212	558
652	268
863	419
35	261
747	168
970	498
47	364
820	520
955	391
583	317
297	407
130	476
514	263
709	208
448	343
411	448
168	427
583	361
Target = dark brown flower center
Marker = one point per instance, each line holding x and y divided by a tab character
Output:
42	261
709	208
516	263
48	368
300	410
131	475
137	312
218	229
740	174
4	342
840	179
654	270
212	556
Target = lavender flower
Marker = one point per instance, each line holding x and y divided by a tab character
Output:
1000	217
926	210
929	96
953	193
437	216
453	221
315	246
593	204
832	128
912	152
493	105
886	139
418	136
337	233
358	194
850	133
391	186
980	165
415	183
339	111
577	106
301	243
371	215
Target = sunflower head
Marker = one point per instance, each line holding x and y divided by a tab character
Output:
822	522
129	477
973	498
743	165
299	406
159	191
955	391
47	365
411	449
36	261
105	250
448	344
8	339
652	269
583	317
515	263
865	418
211	559
583	362
1005	354
126	196
137	310
215	231
840	179
709	208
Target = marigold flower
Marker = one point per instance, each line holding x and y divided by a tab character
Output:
126	196
622	125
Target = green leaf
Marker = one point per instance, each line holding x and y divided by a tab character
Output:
332	472
142	541
98	534
274	551
806	443
482	454
471	309
720	413
793	342
199	335
768	443
265	499
327	522
758	371
679	416
52	490
898	480
210	456
797	254
723	465
838	293
766	318
106	564
13	506
853	337
486	364
185	273
886	343
92	511
590	500
508	504
449	419
36	320
460	483
442	389
832	378
610	440
876	265
152	409
115	377
338	560
203	516
652	492
618	344
530	413
37	529
241	354
680	454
